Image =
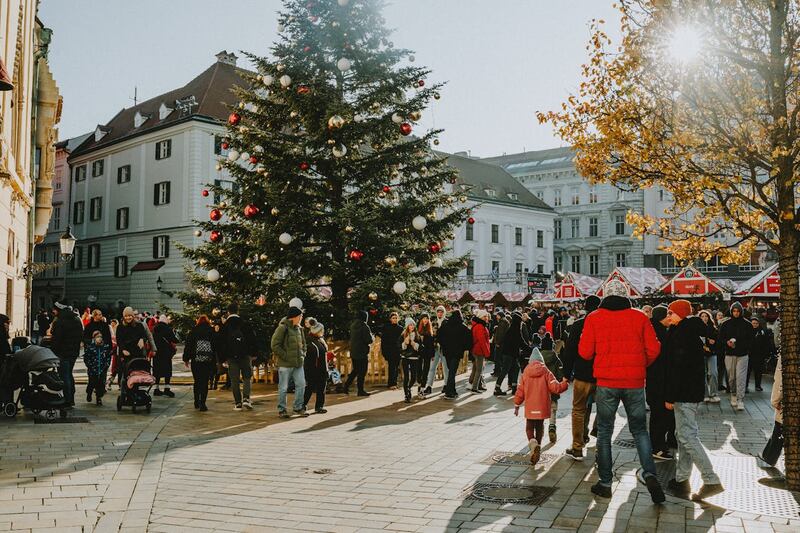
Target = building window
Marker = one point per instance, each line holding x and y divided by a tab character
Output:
55	220
161	193
513	196
540	194
620	195
576	196
161	247
557	230
495	269
593	195
10	297
470	269
712	265
57	181
540	268
122	218
558	263
619	224
518	268
96	208
225	185
594	265
491	193
124	174
56	270
97	168
575	263
470	232
10	251
77	258
120	266
621	260
575	227
495	233
557	197
218	149
592	226
660	195
94	256
539	238
80	173
163	149
77	212
517	236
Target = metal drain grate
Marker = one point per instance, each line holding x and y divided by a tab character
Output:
70	420
518	459
509	493
625	443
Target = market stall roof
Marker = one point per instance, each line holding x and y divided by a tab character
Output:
483	296
576	286
640	281
516	297
461	296
765	284
690	282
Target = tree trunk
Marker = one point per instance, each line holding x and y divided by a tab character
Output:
790	355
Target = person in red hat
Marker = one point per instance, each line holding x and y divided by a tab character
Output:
685	376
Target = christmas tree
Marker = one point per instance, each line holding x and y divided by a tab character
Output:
340	202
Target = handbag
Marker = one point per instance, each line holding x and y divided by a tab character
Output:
774	447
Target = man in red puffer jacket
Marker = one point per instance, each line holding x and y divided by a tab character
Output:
623	344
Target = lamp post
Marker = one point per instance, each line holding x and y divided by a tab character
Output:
160	286
66	243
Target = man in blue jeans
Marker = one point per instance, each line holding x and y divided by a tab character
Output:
623	344
289	346
67	334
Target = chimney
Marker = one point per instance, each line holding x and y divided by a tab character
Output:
227	58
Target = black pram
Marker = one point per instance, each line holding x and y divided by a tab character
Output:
135	381
33	371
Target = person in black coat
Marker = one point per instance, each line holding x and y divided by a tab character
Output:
165	340
685	389
455	338
427	350
662	420
315	365
510	348
360	340
67	334
762	348
735	336
390	348
200	354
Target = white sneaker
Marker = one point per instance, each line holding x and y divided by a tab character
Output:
734	401
532	444
246	404
714	399
740	406
706	399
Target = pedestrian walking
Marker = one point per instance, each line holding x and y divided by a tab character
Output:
456	339
501	329
581	372
315	366
43	325
67	334
390	348
735	337
480	348
236	352
427	351
762	348
662	420
200	355
97	355
289	346
710	352
360	340
510	348
623	344
719	349
409	356
685	369
166	347
772	450
554	365
438	357
535	390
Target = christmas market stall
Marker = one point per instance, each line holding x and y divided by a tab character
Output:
576	286
691	283
765	285
640	281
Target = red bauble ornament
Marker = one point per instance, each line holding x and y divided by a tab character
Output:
306	49
304	166
421	83
303	89
234	119
251	210
204	193
225	146
471	220
434	247
356	254
253	159
405	128
373	312
215	214
386	188
216	236
313	19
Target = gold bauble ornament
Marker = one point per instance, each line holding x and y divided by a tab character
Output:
391	260
218	167
348	229
336	122
293	114
222	251
241	105
436	142
274	211
462	199
202	262
331	141
437	96
373	296
415	115
243	129
381	194
248	261
263	257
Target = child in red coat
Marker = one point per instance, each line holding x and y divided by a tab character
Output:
534	390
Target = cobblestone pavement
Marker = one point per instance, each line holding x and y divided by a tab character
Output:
369	464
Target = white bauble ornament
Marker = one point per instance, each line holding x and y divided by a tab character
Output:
343	3
213	275
343	64
258	149
296	302
397	119
233	155
358	118
340	151
399	287
285	80
437	262
281	28
293	114
198	233
244	156
268	79
419	222
285	238
218	167
412	58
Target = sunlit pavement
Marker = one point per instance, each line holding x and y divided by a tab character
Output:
369	464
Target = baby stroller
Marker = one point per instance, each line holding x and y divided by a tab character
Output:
30	377
334	377
135	382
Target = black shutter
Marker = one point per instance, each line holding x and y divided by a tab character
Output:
168	188
155	194
169	147
155	247
166	246
156	145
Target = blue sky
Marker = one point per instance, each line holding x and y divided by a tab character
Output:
503	59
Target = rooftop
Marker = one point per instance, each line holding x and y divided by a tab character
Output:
535	160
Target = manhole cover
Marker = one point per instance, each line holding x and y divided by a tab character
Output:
509	493
70	420
625	443
518	459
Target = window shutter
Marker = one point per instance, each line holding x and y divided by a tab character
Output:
168	188
169	147
155	247
155	194
166	246
157	156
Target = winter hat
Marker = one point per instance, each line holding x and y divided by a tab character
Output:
592	302
737	305
293	312
547	342
409	322
682	308
163	318
659	313
128	311
536	355
482	314
441	308
4	319
536	340
706	312
315	328
615	288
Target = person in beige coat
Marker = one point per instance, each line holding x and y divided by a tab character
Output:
772	451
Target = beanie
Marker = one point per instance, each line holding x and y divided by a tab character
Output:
592	303
659	313
615	288
682	308
410	322
293	312
316	328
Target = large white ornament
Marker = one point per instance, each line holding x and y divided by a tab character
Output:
399	287
258	149
281	28
437	262
296	302
245	156
213	275
268	79
344	64
419	222
285	239
233	155
285	80
340	151
397	119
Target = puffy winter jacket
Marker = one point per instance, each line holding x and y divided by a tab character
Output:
67	334
685	361
535	388
739	329
480	338
622	342
289	344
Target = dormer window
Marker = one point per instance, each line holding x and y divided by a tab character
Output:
163	111
491	193
139	119
99	133
513	196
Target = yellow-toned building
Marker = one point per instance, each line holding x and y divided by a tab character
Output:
30	108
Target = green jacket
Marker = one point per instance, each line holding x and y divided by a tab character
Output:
289	344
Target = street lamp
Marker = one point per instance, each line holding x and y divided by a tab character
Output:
160	286
67	244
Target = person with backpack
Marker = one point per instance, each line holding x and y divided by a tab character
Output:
236	355
289	346
360	340
200	355
315	365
